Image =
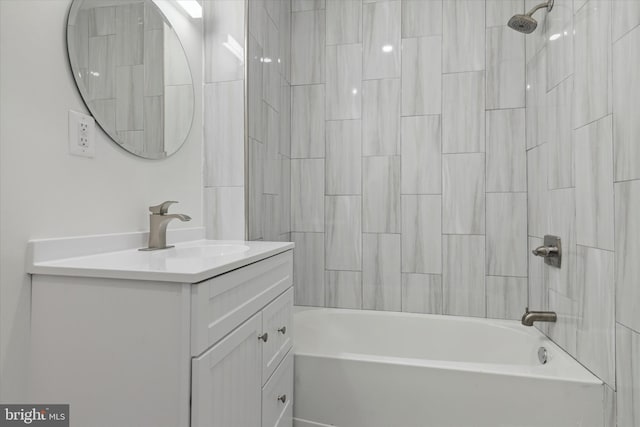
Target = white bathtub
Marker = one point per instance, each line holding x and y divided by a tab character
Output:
379	369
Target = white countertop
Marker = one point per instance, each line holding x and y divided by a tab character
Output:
188	262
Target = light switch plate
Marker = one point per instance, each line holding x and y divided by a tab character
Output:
81	134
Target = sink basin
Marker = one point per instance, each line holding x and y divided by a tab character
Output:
207	250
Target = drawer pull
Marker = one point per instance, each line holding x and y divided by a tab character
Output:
283	330
282	398
264	337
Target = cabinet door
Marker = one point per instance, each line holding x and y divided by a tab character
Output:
226	380
276	322
277	396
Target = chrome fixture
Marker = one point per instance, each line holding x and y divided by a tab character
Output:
543	357
538	316
158	221
525	23
551	251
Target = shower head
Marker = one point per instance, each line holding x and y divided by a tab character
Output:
525	23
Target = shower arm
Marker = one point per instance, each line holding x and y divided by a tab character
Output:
548	5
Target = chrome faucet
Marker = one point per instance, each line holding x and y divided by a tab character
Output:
538	316
158	221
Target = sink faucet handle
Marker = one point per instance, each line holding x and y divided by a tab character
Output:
162	208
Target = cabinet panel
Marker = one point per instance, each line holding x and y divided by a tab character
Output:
277	396
226	387
222	303
276	321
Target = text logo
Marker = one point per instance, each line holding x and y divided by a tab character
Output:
34	415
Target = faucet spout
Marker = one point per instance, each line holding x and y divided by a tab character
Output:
538	316
158	222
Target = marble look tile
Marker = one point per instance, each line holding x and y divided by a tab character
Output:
284	40
421	155
381	194
564	331
421	18
129	98
538	291
463	196
153	63
254	90
132	141
129	34
308	47
273	10
308	269
506	151
536	100
344	22
178	114
256	189
463	100
381	117
284	214
421	80
463	33
344	153
381	277
285	117
104	110
505	68
270	72
559	26
537	192
176	67
344	81
224	213
500	11
102	79
80	39
506	297
153	118
307	195
152	19
301	5
381	37
421	234
561	222
343	289
344	235
596	312
258	20
220	64
270	217
463	288
626	104
422	293
628	376
609	407
627	244
102	21
594	184
223	134
592	62
625	17
560	136
507	234
538	39
307	121
272	144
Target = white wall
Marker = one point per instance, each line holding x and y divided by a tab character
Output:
45	192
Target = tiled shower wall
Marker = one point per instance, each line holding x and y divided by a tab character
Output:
269	119
224	119
408	160
583	142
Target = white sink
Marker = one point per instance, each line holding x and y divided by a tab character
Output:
206	250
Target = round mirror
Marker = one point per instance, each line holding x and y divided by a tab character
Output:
132	73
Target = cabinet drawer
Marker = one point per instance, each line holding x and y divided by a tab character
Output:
220	304
225	380
276	322
277	396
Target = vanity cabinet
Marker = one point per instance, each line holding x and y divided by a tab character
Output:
144	353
